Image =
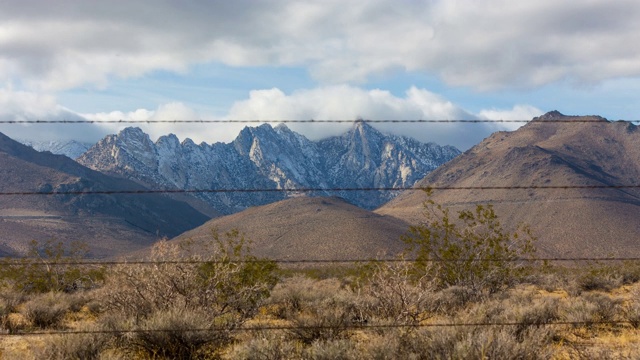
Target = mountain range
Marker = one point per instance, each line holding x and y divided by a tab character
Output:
270	158
109	224
574	179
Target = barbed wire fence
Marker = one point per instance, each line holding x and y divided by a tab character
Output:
17	262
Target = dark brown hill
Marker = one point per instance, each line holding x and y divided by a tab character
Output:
311	228
548	152
109	224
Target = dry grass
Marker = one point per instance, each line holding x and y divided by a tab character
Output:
329	313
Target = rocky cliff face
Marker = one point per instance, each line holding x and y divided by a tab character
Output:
267	157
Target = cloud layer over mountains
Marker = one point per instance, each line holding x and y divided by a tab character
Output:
329	103
484	45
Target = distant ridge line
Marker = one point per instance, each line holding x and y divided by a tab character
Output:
426	188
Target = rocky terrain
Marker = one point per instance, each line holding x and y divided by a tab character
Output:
587	154
272	158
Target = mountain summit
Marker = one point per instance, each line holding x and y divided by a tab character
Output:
562	178
272	158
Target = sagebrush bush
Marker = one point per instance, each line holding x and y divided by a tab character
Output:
332	350
77	346
47	310
463	342
178	334
267	345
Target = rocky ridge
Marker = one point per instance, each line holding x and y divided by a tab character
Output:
267	157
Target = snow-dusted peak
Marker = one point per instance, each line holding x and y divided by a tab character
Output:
170	140
271	157
132	133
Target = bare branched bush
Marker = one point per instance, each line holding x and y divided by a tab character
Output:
215	289
397	295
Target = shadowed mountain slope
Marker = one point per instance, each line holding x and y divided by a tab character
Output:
547	152
109	223
326	228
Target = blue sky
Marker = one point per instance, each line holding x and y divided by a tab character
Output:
280	59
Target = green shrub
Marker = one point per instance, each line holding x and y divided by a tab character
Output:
52	267
472	250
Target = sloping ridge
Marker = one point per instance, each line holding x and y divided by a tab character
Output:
576	151
318	228
109	223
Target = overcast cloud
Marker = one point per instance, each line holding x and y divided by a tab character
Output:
483	44
328	103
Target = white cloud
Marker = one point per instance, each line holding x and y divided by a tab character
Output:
342	102
350	103
518	112
483	44
29	106
198	132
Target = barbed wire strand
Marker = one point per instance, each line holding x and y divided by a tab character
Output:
22	261
315	189
309	121
325	327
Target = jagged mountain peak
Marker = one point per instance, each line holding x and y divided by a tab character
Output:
282	127
132	131
271	158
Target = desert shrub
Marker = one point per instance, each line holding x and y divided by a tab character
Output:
630	272
396	294
178	334
460	343
215	289
46	310
632	312
322	323
76	346
268	345
330	350
593	308
52	266
599	277
317	309
9	302
473	250
453	298
607	308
